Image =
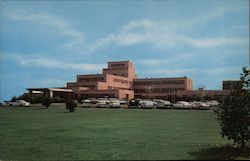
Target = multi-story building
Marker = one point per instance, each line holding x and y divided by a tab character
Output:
119	80
161	88
190	95
230	84
115	81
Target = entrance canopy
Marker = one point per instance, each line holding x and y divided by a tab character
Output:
50	91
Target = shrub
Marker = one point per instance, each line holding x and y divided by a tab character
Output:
25	97
58	100
70	105
234	112
46	101
13	99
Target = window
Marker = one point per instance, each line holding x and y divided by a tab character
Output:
159	82
117	65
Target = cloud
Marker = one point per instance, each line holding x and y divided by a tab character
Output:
222	70
50	63
213	42
168	34
171	61
153	62
46	19
162	37
160	34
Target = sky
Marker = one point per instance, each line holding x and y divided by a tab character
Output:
47	43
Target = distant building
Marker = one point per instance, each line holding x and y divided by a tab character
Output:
161	88
119	80
230	84
190	95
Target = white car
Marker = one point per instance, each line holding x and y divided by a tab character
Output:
3	104
102	103
89	100
196	105
123	102
204	106
147	104
182	105
213	103
162	103
113	103
19	103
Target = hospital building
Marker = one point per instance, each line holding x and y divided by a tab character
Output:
119	80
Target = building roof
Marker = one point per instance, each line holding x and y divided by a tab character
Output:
51	89
119	61
144	79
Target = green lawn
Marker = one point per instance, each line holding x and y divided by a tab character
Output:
35	133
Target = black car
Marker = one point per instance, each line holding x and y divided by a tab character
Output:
134	103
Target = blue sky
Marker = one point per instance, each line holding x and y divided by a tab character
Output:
47	43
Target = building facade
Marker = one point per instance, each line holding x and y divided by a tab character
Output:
161	88
230	84
191	95
115	81
119	80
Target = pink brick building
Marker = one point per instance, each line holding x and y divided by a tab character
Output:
119	80
115	81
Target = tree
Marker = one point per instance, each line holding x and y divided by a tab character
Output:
46	101
13	99
25	97
234	112
71	104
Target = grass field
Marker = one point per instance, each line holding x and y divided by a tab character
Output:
36	133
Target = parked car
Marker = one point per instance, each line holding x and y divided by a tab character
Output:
213	103
204	106
102	103
199	105
123	102
182	105
147	104
162	103
90	100
86	101
76	103
196	105
19	103
114	103
3	103
134	103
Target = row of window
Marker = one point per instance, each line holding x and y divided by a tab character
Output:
97	95
89	86
122	81
71	84
111	87
158	90
159	82
115	65
93	79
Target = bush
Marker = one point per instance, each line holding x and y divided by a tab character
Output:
233	113
46	101
58	100
25	97
71	104
13	99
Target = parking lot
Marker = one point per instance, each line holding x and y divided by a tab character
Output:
131	104
146	104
